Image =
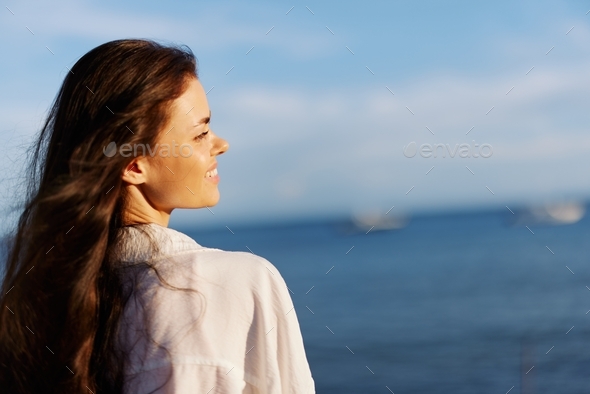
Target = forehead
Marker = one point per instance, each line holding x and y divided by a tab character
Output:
192	105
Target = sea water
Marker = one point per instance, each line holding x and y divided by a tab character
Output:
455	303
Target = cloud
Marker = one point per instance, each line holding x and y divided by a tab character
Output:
449	106
289	188
317	145
297	143
214	27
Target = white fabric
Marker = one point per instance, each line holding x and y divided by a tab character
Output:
238	334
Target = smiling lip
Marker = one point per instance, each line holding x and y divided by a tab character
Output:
213	166
213	179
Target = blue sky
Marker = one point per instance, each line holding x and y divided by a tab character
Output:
318	112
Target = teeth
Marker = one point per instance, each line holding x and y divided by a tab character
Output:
211	173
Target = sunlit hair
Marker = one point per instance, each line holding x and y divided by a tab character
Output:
62	297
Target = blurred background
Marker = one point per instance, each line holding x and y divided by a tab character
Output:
462	269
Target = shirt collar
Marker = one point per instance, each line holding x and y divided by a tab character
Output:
149	241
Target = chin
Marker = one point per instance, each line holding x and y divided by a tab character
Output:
212	202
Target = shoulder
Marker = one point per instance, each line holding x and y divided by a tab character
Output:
238	261
233	278
172	250
223	292
234	269
240	286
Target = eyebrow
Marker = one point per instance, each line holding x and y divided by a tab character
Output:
204	120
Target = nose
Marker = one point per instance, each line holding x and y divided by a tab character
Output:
222	146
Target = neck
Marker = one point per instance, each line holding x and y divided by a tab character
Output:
139	210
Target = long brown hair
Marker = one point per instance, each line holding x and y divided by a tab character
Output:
61	296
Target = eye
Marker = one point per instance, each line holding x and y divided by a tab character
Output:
202	135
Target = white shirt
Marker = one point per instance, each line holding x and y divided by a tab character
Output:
238	334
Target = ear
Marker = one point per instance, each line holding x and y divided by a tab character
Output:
135	172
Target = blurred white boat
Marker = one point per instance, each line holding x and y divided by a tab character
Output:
373	221
549	214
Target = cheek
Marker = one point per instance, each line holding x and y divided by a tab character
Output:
195	166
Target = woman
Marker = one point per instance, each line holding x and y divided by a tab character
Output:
99	295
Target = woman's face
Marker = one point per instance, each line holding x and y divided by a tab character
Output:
179	169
